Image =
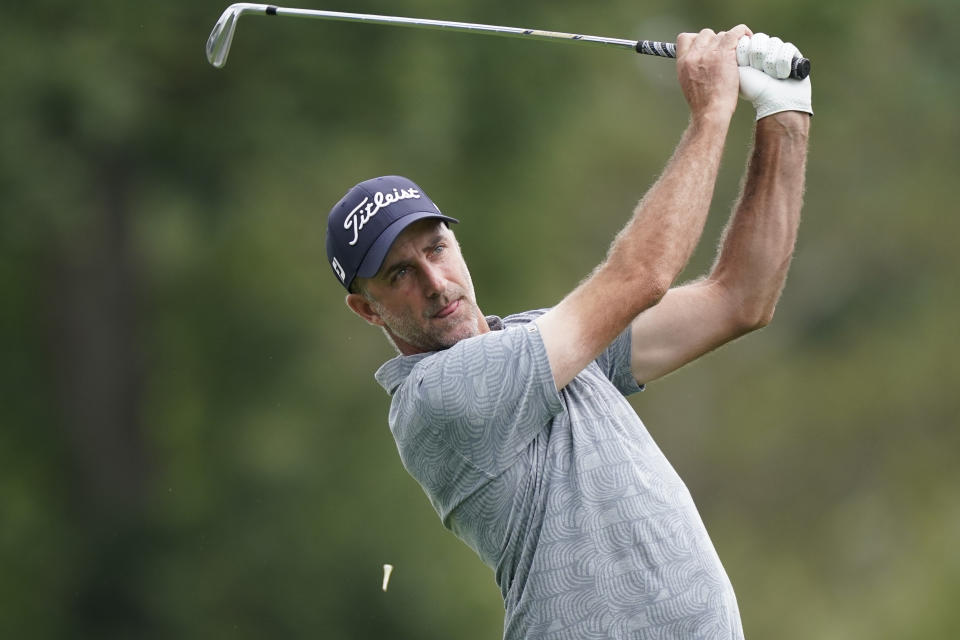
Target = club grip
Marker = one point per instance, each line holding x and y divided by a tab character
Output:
799	67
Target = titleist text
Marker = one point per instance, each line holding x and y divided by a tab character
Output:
367	209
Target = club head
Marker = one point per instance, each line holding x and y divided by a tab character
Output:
218	44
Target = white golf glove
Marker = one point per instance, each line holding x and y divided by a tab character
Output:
765	76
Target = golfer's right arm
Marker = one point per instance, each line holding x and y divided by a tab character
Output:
652	249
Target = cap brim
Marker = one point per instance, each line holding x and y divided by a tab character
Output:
374	259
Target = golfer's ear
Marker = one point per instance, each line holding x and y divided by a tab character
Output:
362	307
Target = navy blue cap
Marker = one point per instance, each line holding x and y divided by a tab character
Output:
362	226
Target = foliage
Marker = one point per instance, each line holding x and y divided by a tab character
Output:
193	443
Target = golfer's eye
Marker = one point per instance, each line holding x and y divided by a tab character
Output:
398	274
439	249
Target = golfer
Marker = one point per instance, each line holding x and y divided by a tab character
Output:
517	428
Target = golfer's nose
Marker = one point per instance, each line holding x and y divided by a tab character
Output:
432	280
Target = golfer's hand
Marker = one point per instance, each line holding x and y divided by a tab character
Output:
764	76
707	71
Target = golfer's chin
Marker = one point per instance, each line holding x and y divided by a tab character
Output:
461	329
438	332
447	330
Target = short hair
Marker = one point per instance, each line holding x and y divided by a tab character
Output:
359	289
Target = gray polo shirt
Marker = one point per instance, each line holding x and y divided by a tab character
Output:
589	530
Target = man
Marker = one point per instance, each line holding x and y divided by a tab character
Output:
517	428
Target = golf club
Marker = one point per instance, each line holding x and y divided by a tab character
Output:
218	44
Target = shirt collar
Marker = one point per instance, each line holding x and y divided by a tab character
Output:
393	372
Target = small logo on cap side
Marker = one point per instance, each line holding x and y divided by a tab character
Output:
339	270
356	221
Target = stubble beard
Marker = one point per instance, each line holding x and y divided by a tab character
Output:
427	334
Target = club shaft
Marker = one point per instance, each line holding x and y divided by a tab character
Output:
217	52
517	32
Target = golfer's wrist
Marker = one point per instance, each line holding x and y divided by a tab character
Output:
710	122
794	125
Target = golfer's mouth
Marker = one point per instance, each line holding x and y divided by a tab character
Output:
448	310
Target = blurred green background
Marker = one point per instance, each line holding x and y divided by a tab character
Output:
193	444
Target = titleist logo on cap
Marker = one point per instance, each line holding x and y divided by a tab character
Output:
357	218
357	241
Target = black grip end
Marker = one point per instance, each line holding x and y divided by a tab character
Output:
652	48
271	10
800	68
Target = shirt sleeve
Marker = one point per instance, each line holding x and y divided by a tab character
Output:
616	366
490	395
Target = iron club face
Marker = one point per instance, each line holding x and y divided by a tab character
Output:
218	44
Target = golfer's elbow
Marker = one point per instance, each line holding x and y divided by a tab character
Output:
759	322
632	290
748	308
755	315
647	291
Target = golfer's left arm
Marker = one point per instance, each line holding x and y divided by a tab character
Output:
742	289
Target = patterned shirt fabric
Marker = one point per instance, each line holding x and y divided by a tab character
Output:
588	528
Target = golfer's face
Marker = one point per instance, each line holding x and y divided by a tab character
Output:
423	289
